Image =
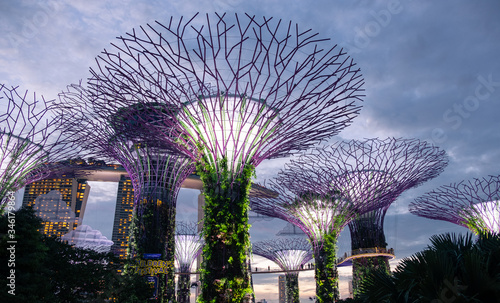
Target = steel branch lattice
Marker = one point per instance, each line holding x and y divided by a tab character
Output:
247	89
474	204
122	135
361	176
32	142
288	253
188	245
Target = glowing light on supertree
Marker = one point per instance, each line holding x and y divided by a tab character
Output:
351	182
384	168
290	254
32	141
243	90
120	134
188	246
474	204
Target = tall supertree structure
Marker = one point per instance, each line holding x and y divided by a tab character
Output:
290	254
120	134
391	165
32	142
474	204
188	246
243	89
350	182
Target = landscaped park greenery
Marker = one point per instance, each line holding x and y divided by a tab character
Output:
49	271
454	268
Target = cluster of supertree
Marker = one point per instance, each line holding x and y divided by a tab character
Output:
228	93
188	246
32	142
119	134
351	182
474	204
290	254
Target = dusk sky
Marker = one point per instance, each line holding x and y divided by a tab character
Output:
431	70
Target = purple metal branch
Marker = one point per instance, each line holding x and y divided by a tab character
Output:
33	144
355	177
188	245
474	204
289	253
122	135
247	89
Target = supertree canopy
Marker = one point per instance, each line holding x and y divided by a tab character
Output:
348	182
156	174
188	246
240	90
32	142
385	168
290	254
474	204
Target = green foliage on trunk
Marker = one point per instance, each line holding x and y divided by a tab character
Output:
363	267
225	270
153	231
292	287
327	281
47	270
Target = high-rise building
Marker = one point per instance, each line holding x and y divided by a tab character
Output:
123	217
60	202
282	288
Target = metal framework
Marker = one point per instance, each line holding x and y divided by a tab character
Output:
188	246
474	204
385	168
239	89
156	174
349	182
32	142
290	254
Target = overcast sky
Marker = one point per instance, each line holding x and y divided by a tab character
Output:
432	72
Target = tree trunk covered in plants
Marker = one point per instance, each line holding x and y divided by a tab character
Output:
153	232
367	233
362	267
225	272
327	281
183	288
292	287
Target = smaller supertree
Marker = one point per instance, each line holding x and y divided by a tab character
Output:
31	140
290	254
188	246
474	204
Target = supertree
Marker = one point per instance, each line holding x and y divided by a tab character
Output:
391	165
349	182
290	254
120	134
32	144
188	246
474	204
243	90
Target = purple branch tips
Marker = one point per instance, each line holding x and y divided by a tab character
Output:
244	89
474	204
32	141
362	175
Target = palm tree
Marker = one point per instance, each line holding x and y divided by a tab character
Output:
454	268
